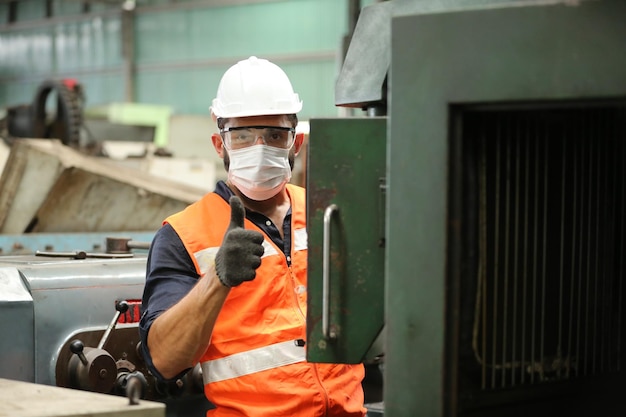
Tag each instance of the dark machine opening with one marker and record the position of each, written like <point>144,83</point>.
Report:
<point>537,263</point>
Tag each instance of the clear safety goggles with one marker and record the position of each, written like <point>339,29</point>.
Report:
<point>243,136</point>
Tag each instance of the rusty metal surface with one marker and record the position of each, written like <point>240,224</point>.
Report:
<point>346,167</point>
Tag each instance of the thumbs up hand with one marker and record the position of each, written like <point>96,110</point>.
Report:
<point>240,254</point>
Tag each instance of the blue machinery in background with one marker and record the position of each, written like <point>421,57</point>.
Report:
<point>72,317</point>
<point>30,243</point>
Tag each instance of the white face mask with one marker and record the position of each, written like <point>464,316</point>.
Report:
<point>259,171</point>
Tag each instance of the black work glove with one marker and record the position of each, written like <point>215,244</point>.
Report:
<point>239,256</point>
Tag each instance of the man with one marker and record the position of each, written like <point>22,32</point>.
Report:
<point>226,283</point>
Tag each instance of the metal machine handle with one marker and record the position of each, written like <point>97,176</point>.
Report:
<point>120,308</point>
<point>326,273</point>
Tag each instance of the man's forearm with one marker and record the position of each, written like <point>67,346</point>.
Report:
<point>178,337</point>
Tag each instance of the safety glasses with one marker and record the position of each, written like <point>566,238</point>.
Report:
<point>243,136</point>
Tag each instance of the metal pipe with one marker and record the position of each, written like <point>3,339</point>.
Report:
<point>127,41</point>
<point>562,253</point>
<point>505,272</point>
<point>326,332</point>
<point>120,308</point>
<point>483,273</point>
<point>496,262</point>
<point>533,332</point>
<point>573,198</point>
<point>587,224</point>
<point>515,256</point>
<point>544,248</point>
<point>526,138</point>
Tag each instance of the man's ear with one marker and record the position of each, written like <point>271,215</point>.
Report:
<point>298,141</point>
<point>216,138</point>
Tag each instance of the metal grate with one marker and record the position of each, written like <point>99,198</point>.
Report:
<point>549,190</point>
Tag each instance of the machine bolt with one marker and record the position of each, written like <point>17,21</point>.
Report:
<point>103,373</point>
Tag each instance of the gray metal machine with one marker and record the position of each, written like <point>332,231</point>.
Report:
<point>70,320</point>
<point>73,276</point>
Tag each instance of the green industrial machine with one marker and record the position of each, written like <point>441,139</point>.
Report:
<point>505,203</point>
<point>346,255</point>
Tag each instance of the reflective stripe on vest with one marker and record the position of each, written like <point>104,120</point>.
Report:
<point>206,257</point>
<point>252,361</point>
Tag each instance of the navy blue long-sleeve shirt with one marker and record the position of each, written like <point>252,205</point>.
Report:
<point>171,273</point>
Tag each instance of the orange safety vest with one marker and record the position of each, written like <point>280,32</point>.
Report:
<point>254,365</point>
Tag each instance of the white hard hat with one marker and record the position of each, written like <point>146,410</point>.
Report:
<point>255,87</point>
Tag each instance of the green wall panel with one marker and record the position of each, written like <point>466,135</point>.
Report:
<point>31,10</point>
<point>4,12</point>
<point>266,28</point>
<point>26,52</point>
<point>67,8</point>
<point>190,91</point>
<point>103,88</point>
<point>13,94</point>
<point>316,86</point>
<point>89,44</point>
<point>171,84</point>
<point>162,36</point>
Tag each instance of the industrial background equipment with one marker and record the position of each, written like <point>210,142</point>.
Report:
<point>58,111</point>
<point>32,120</point>
<point>75,229</point>
<point>73,320</point>
<point>504,240</point>
<point>466,241</point>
